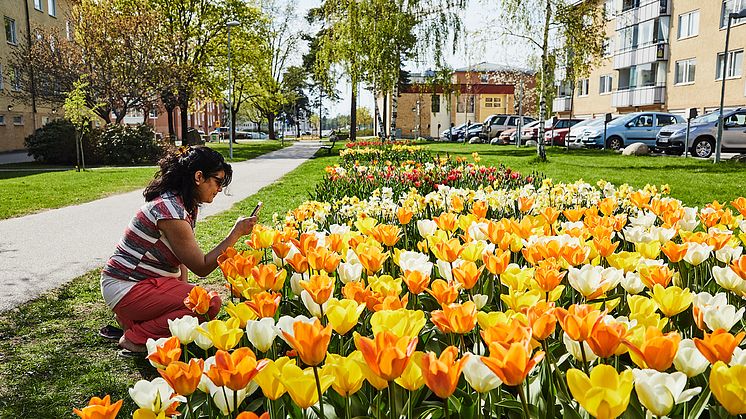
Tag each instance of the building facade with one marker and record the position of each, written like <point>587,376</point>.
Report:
<point>19,118</point>
<point>475,92</point>
<point>664,55</point>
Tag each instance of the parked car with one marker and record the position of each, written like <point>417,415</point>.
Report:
<point>578,131</point>
<point>510,136</point>
<point>555,135</point>
<point>472,136</point>
<point>452,134</point>
<point>224,132</point>
<point>496,124</point>
<point>531,131</point>
<point>637,127</point>
<point>703,132</point>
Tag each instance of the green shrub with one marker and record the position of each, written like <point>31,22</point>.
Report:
<point>121,144</point>
<point>54,143</point>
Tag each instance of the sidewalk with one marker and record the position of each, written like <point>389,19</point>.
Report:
<point>15,157</point>
<point>43,251</point>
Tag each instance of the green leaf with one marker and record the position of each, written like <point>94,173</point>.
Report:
<point>701,404</point>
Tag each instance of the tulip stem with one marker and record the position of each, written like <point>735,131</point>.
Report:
<point>392,404</point>
<point>523,400</point>
<point>189,406</point>
<point>409,405</point>
<point>347,408</point>
<point>318,389</point>
<point>446,414</point>
<point>582,354</point>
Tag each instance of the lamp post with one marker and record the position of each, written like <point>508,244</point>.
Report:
<point>230,25</point>
<point>721,121</point>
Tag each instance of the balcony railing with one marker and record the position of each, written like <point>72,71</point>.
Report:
<point>561,104</point>
<point>639,96</point>
<point>641,55</point>
<point>649,9</point>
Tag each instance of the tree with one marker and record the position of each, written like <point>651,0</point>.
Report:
<point>298,106</point>
<point>363,117</point>
<point>80,114</point>
<point>322,78</point>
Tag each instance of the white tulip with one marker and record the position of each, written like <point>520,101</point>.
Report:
<point>589,279</point>
<point>261,333</point>
<point>697,253</point>
<point>479,376</point>
<point>201,339</point>
<point>295,286</point>
<point>567,225</point>
<point>726,254</point>
<point>340,229</point>
<point>351,257</point>
<point>415,261</point>
<point>722,317</point>
<point>738,357</point>
<point>426,228</point>
<point>156,396</point>
<point>349,272</point>
<point>644,219</point>
<point>662,234</point>
<point>205,383</point>
<point>689,359</point>
<point>690,220</point>
<point>476,231</point>
<point>311,305</point>
<point>184,328</point>
<point>659,392</point>
<point>728,279</point>
<point>637,234</point>
<point>226,399</point>
<point>480,300</point>
<point>285,324</point>
<point>632,283</point>
<point>573,348</point>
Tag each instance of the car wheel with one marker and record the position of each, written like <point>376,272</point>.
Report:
<point>702,148</point>
<point>614,143</point>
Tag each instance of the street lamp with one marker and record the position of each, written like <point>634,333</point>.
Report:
<point>721,121</point>
<point>230,25</point>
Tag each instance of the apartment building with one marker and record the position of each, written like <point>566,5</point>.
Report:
<point>19,118</point>
<point>476,92</point>
<point>662,55</point>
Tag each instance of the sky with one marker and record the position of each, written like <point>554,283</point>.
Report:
<point>480,35</point>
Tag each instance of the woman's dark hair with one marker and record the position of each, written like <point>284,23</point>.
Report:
<point>177,174</point>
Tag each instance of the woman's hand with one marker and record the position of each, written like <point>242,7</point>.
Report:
<point>244,226</point>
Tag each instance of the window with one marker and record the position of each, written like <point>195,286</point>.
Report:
<point>609,9</point>
<point>689,24</point>
<point>627,37</point>
<point>493,102</point>
<point>685,71</point>
<point>735,65</point>
<point>435,103</point>
<point>153,114</point>
<point>52,7</point>
<point>731,6</point>
<point>488,102</point>
<point>608,47</point>
<point>644,121</point>
<point>470,104</point>
<point>10,31</point>
<point>15,82</point>
<point>605,84</point>
<point>629,4</point>
<point>583,87</point>
<point>38,5</point>
<point>68,31</point>
<point>663,120</point>
<point>18,120</point>
<point>2,119</point>
<point>2,77</point>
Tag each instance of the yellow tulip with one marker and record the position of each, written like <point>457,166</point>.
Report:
<point>348,376</point>
<point>643,311</point>
<point>343,314</point>
<point>472,251</point>
<point>301,384</point>
<point>488,320</point>
<point>649,250</point>
<point>385,284</point>
<point>626,261</point>
<point>370,376</point>
<point>729,387</point>
<point>464,221</point>
<point>517,278</point>
<point>364,225</point>
<point>223,334</point>
<point>672,300</point>
<point>240,311</point>
<point>400,322</point>
<point>412,378</point>
<point>605,394</point>
<point>268,379</point>
<point>518,300</point>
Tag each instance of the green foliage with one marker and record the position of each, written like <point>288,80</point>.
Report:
<point>54,143</point>
<point>123,145</point>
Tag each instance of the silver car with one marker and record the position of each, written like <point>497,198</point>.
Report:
<point>703,132</point>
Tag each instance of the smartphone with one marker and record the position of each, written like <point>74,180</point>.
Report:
<point>256,209</point>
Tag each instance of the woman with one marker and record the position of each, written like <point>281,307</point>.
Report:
<point>145,281</point>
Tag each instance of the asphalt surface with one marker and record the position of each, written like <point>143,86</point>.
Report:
<point>43,251</point>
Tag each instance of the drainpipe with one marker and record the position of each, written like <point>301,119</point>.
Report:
<point>31,68</point>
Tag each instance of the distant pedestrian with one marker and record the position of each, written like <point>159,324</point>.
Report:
<point>145,281</point>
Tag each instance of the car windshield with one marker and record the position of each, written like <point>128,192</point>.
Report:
<point>706,118</point>
<point>500,120</point>
<point>588,122</point>
<point>531,125</point>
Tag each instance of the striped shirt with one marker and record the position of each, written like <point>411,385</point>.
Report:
<point>144,252</point>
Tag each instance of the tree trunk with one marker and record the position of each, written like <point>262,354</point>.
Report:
<point>384,130</point>
<point>184,114</point>
<point>380,128</point>
<point>394,109</point>
<point>271,125</point>
<point>541,151</point>
<point>234,113</point>
<point>353,113</point>
<point>321,106</point>
<point>171,127</point>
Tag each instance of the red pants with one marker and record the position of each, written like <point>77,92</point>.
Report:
<point>146,308</point>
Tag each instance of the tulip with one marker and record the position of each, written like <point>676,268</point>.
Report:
<point>542,320</point>
<point>728,254</point>
<point>320,287</point>
<point>593,281</point>
<point>578,350</point>
<point>316,310</point>
<point>203,339</point>
<point>371,257</point>
<point>496,263</point>
<point>606,337</point>
<point>643,311</point>
<point>349,272</point>
<point>183,378</point>
<point>224,335</point>
<point>548,276</point>
<point>268,277</point>
<point>235,370</point>
<point>252,415</point>
<point>689,359</point>
<point>656,351</point>
<point>655,274</point>
<point>269,379</point>
<point>728,384</point>
<point>412,378</point>
<point>155,396</point>
<point>298,262</point>
<point>467,274</point>
<point>400,322</point>
<point>310,340</point>
<point>386,234</point>
<point>672,300</point>
<point>261,333</point>
<point>659,392</point>
<point>387,355</point>
<point>348,376</point>
<point>719,345</point>
<point>385,284</point>
<point>184,328</point>
<point>404,215</point>
<point>448,250</point>
<point>416,281</point>
<point>605,394</point>
<point>343,314</point>
<point>100,409</point>
<point>446,221</point>
<point>697,253</point>
<point>728,278</point>
<point>241,311</point>
<point>578,321</point>
<point>632,283</point>
<point>199,300</point>
<point>301,384</point>
<point>480,300</point>
<point>442,373</point>
<point>226,401</point>
<point>426,228</point>
<point>674,252</point>
<point>443,292</point>
<point>480,377</point>
<point>163,351</point>
<point>724,317</point>
<point>456,318</point>
<point>512,364</point>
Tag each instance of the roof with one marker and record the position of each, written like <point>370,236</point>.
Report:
<point>484,67</point>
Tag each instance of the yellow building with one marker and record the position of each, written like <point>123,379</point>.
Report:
<point>18,119</point>
<point>663,55</point>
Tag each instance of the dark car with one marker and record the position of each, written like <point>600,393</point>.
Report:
<point>474,130</point>
<point>452,134</point>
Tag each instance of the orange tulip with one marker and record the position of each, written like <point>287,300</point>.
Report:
<point>404,215</point>
<point>446,221</point>
<point>533,254</point>
<point>389,302</point>
<point>199,299</point>
<point>281,249</point>
<point>268,277</point>
<point>456,318</point>
<point>497,262</point>
<point>310,340</point>
<point>740,205</point>
<point>299,263</point>
<point>183,378</point>
<point>320,287</point>
<point>443,292</point>
<point>674,252</point>
<point>457,204</point>
<point>416,281</point>
<point>525,203</point>
<point>448,250</point>
<point>496,231</point>
<point>575,255</point>
<point>550,215</point>
<point>655,274</point>
<point>640,199</point>
<point>606,337</point>
<point>541,320</point>
<point>386,234</point>
<point>467,274</point>
<point>100,409</point>
<point>321,259</point>
<point>371,257</point>
<point>506,334</point>
<point>166,353</point>
<point>355,290</point>
<point>718,345</point>
<point>739,267</point>
<point>574,215</point>
<point>578,321</point>
<point>523,228</point>
<point>235,370</point>
<point>479,209</point>
<point>548,275</point>
<point>265,304</point>
<point>607,206</point>
<point>252,415</point>
<point>657,350</point>
<point>336,243</point>
<point>442,373</point>
<point>604,246</point>
<point>386,354</point>
<point>512,364</point>
<point>305,242</point>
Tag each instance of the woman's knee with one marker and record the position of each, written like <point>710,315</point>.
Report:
<point>215,304</point>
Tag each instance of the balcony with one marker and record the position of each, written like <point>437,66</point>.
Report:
<point>562,104</point>
<point>641,55</point>
<point>639,96</point>
<point>649,9</point>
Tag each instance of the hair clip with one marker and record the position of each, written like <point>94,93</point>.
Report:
<point>184,150</point>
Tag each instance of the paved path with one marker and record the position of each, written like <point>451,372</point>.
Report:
<point>43,251</point>
<point>15,157</point>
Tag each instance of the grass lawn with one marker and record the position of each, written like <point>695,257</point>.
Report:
<point>695,182</point>
<point>26,189</point>
<point>51,358</point>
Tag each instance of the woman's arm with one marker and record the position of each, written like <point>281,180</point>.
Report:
<point>184,245</point>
